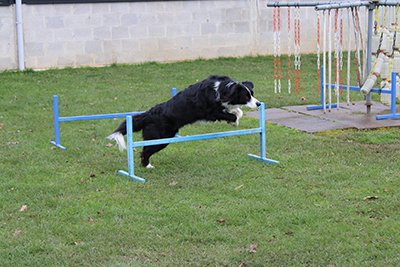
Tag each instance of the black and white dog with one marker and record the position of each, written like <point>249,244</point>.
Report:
<point>213,99</point>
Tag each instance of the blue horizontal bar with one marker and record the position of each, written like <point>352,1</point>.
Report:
<point>321,107</point>
<point>194,137</point>
<point>96,117</point>
<point>388,116</point>
<point>356,88</point>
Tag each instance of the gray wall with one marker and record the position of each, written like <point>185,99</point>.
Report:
<point>98,34</point>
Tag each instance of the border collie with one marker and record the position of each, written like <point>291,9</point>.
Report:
<point>213,99</point>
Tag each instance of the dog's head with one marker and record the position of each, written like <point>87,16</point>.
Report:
<point>240,94</point>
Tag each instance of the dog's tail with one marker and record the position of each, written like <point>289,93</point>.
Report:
<point>118,134</point>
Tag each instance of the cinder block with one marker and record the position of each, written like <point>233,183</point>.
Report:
<point>103,58</point>
<point>74,47</point>
<point>233,14</point>
<point>183,17</point>
<point>166,43</point>
<point>34,49</point>
<point>121,32</point>
<point>208,28</point>
<point>101,8</point>
<point>192,53</point>
<point>119,8</point>
<point>61,35</point>
<point>43,10</point>
<point>242,26</point>
<point>191,5</point>
<point>129,19</point>
<point>112,45</point>
<point>6,63</point>
<point>138,31</point>
<point>130,44</point>
<point>174,30</point>
<point>202,41</point>
<point>82,34</point>
<point>33,23</point>
<point>242,50</point>
<point>149,44</point>
<point>63,9</point>
<point>92,21</point>
<point>174,55</point>
<point>200,16</point>
<point>102,33</point>
<point>183,42</point>
<point>121,57</point>
<point>217,15</point>
<point>225,28</point>
<point>157,30</point>
<point>208,53</point>
<point>54,49</point>
<point>45,62</point>
<point>65,60</point>
<point>219,41</point>
<point>146,18</point>
<point>174,6</point>
<point>157,55</point>
<point>157,6</point>
<point>112,20</point>
<point>191,29</point>
<point>93,46</point>
<point>79,9</point>
<point>165,18</point>
<point>44,35</point>
<point>54,22</point>
<point>73,21</point>
<point>225,51</point>
<point>140,56</point>
<point>85,59</point>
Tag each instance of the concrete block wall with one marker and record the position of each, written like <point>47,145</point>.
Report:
<point>97,34</point>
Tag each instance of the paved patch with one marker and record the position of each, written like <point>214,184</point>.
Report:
<point>312,121</point>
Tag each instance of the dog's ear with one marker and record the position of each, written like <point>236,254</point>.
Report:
<point>248,84</point>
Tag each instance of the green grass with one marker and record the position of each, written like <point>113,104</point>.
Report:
<point>307,211</point>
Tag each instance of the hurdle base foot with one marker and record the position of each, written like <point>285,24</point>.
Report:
<point>133,177</point>
<point>57,145</point>
<point>263,159</point>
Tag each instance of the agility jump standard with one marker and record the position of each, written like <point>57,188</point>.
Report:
<point>131,144</point>
<point>58,119</point>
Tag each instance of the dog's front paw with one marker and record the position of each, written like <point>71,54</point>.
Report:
<point>238,113</point>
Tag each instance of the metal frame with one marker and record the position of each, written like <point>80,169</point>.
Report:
<point>131,144</point>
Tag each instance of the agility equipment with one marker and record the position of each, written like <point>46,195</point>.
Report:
<point>131,144</point>
<point>388,46</point>
<point>58,119</point>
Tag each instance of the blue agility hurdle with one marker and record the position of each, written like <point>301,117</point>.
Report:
<point>58,119</point>
<point>131,144</point>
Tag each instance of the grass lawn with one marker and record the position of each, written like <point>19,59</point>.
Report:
<point>206,203</point>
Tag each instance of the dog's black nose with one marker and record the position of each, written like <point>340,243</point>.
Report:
<point>258,104</point>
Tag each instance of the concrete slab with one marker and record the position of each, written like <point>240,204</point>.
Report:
<point>312,121</point>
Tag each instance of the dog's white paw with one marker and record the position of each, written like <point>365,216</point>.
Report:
<point>149,166</point>
<point>239,113</point>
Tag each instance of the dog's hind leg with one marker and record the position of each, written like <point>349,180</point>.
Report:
<point>147,152</point>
